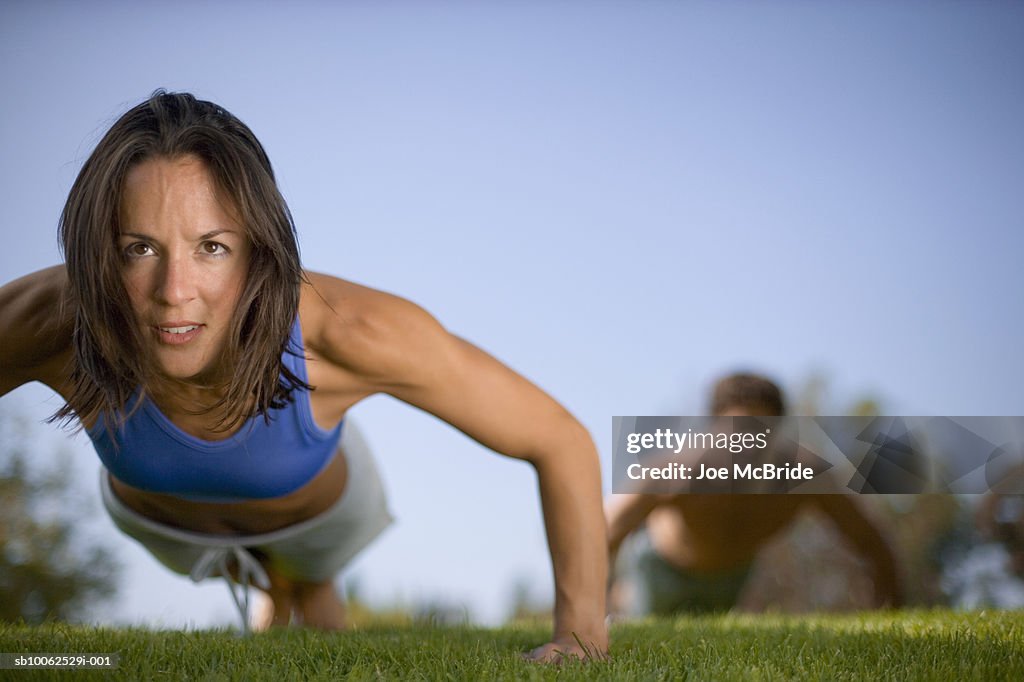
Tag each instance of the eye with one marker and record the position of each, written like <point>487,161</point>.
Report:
<point>213,249</point>
<point>138,249</point>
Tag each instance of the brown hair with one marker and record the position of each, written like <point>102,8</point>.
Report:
<point>747,390</point>
<point>110,362</point>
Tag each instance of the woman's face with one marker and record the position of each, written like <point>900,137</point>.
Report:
<point>185,260</point>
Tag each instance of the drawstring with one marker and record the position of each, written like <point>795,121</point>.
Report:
<point>215,559</point>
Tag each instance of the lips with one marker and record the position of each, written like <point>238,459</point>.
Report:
<point>176,333</point>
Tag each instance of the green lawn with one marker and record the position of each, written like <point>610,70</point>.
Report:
<point>879,646</point>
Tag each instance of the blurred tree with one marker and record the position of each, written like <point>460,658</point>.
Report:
<point>44,572</point>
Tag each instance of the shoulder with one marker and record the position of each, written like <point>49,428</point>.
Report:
<point>36,326</point>
<point>48,285</point>
<point>367,332</point>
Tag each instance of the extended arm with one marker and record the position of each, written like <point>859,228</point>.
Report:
<point>987,516</point>
<point>35,330</point>
<point>624,513</point>
<point>869,542</point>
<point>394,347</point>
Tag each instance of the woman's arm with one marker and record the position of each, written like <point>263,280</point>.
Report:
<point>392,346</point>
<point>35,330</point>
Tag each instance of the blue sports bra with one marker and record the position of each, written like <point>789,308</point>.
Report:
<point>259,461</point>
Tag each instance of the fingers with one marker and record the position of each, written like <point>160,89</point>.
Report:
<point>557,653</point>
<point>549,653</point>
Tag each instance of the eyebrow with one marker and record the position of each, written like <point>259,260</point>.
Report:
<point>203,237</point>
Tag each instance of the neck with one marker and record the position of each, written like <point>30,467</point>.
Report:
<point>190,396</point>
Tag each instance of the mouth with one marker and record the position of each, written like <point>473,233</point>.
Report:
<point>177,333</point>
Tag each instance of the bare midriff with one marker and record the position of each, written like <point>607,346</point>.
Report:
<point>245,517</point>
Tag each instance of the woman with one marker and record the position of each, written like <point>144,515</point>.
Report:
<point>213,375</point>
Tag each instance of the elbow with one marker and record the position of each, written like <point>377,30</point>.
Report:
<point>565,451</point>
<point>566,439</point>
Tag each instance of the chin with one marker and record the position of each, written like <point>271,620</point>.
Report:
<point>181,373</point>
<point>180,369</point>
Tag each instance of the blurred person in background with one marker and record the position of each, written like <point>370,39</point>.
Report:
<point>695,552</point>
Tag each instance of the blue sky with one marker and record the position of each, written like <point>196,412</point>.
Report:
<point>620,200</point>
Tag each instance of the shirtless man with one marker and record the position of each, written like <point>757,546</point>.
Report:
<point>696,551</point>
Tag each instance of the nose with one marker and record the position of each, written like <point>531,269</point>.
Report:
<point>176,282</point>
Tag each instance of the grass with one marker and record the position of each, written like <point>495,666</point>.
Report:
<point>938,645</point>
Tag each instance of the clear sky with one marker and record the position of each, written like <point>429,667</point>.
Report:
<point>620,200</point>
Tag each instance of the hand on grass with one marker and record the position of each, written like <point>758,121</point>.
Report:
<point>560,650</point>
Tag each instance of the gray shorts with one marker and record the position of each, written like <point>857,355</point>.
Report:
<point>314,550</point>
